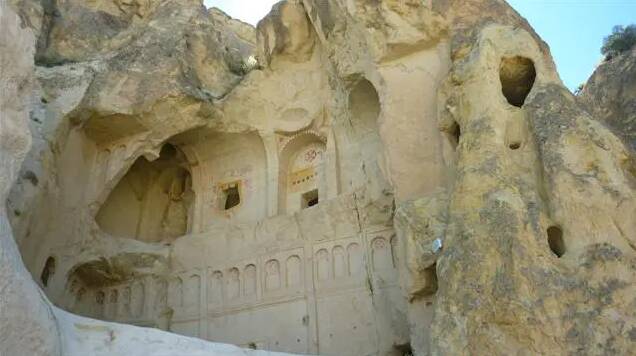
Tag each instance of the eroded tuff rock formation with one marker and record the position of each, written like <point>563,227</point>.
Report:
<point>610,94</point>
<point>350,178</point>
<point>30,324</point>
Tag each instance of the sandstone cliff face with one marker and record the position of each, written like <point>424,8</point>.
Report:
<point>30,324</point>
<point>389,177</point>
<point>521,273</point>
<point>112,89</point>
<point>610,95</point>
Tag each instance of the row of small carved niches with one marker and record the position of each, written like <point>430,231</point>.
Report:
<point>349,261</point>
<point>138,301</point>
<point>279,276</point>
<point>260,280</point>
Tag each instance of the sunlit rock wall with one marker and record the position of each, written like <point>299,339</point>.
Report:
<point>349,178</point>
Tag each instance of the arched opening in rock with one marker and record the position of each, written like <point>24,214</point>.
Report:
<point>47,271</point>
<point>100,298</point>
<point>364,104</point>
<point>517,76</point>
<point>301,178</point>
<point>152,202</point>
<point>114,288</point>
<point>555,241</point>
<point>361,161</point>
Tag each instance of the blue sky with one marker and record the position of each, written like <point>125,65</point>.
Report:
<point>250,11</point>
<point>574,29</point>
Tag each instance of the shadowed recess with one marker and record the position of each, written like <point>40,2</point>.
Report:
<point>517,75</point>
<point>152,201</point>
<point>47,271</point>
<point>555,240</point>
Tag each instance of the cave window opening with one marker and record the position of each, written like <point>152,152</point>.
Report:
<point>168,151</point>
<point>232,196</point>
<point>403,349</point>
<point>309,199</point>
<point>47,271</point>
<point>454,134</point>
<point>517,76</point>
<point>555,241</point>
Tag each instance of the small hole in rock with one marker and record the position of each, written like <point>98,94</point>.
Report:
<point>429,286</point>
<point>454,134</point>
<point>168,151</point>
<point>309,199</point>
<point>514,146</point>
<point>517,76</point>
<point>48,270</point>
<point>431,279</point>
<point>403,349</point>
<point>31,177</point>
<point>232,197</point>
<point>555,240</point>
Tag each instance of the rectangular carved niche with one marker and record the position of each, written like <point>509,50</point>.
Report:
<point>309,199</point>
<point>230,195</point>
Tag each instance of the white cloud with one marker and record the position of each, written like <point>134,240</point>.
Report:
<point>250,11</point>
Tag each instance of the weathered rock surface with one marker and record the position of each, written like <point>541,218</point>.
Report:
<point>27,322</point>
<point>351,177</point>
<point>541,205</point>
<point>136,60</point>
<point>610,95</point>
<point>30,324</point>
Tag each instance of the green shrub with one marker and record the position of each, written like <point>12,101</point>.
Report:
<point>621,40</point>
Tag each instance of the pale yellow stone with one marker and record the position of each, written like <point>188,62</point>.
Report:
<point>349,178</point>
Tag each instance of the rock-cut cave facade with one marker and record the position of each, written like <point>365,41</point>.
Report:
<point>348,178</point>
